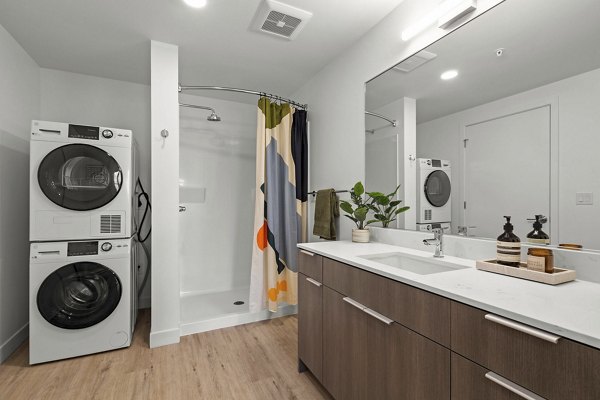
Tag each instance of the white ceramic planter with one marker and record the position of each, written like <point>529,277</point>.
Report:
<point>360,235</point>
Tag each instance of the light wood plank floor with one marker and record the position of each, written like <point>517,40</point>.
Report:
<point>254,361</point>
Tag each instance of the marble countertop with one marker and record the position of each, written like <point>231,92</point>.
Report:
<point>570,310</point>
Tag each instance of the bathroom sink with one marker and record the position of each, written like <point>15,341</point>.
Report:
<point>414,264</point>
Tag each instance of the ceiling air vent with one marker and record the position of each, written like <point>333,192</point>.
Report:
<point>280,19</point>
<point>415,61</point>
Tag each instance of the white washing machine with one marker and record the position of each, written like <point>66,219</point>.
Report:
<point>434,202</point>
<point>81,182</point>
<point>82,298</point>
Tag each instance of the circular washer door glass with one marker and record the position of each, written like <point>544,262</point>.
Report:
<point>79,295</point>
<point>80,177</point>
<point>437,188</point>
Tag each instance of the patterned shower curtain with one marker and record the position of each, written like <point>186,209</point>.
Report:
<point>281,204</point>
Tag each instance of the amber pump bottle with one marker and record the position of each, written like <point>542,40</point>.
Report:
<point>508,246</point>
<point>537,235</point>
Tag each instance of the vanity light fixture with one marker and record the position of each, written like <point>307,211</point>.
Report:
<point>450,74</point>
<point>444,15</point>
<point>195,3</point>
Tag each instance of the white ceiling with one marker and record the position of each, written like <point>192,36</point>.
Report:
<point>544,41</point>
<point>110,38</point>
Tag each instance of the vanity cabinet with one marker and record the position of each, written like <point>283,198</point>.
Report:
<point>367,354</point>
<point>469,382</point>
<point>423,312</point>
<point>365,336</point>
<point>310,313</point>
<point>549,365</point>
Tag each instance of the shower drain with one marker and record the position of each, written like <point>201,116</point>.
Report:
<point>238,303</point>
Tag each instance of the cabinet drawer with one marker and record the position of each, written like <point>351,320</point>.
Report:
<point>310,324</point>
<point>421,311</point>
<point>469,382</point>
<point>310,264</point>
<point>561,370</point>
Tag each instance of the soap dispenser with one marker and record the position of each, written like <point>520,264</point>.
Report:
<point>508,246</point>
<point>537,235</point>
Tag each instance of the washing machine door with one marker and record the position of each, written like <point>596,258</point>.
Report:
<point>79,295</point>
<point>80,177</point>
<point>437,188</point>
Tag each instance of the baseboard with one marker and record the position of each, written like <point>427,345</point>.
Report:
<point>13,343</point>
<point>164,338</point>
<point>227,321</point>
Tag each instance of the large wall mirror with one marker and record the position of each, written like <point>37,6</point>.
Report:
<point>505,112</point>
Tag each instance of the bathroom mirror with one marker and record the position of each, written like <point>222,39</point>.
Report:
<point>505,112</point>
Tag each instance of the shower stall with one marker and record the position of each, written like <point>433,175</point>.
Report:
<point>217,194</point>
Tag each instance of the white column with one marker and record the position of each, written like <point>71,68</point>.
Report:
<point>165,194</point>
<point>405,161</point>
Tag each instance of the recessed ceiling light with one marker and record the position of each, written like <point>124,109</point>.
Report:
<point>449,74</point>
<point>195,3</point>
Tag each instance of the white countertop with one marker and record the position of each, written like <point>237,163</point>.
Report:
<point>571,310</point>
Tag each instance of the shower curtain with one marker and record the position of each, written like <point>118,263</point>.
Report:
<point>281,204</point>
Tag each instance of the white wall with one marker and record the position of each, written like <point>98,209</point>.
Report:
<point>217,180</point>
<point>19,104</point>
<point>578,98</point>
<point>165,284</point>
<point>336,96</point>
<point>89,100</point>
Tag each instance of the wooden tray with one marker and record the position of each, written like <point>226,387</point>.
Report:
<point>559,276</point>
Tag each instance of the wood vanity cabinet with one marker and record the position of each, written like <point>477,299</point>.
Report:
<point>555,371</point>
<point>365,354</point>
<point>469,382</point>
<point>368,337</point>
<point>310,313</point>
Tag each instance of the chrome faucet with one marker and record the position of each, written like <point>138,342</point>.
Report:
<point>438,241</point>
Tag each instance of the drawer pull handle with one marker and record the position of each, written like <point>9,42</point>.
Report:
<point>380,317</point>
<point>513,387</point>
<point>364,309</point>
<point>317,284</point>
<point>523,328</point>
<point>354,303</point>
<point>308,253</point>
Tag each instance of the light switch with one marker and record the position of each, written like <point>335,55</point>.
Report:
<point>584,199</point>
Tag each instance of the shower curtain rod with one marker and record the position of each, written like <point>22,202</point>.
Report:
<point>391,121</point>
<point>237,90</point>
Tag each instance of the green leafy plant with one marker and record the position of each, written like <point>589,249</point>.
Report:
<point>384,207</point>
<point>358,212</point>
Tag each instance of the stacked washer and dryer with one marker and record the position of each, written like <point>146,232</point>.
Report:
<point>83,255</point>
<point>434,203</point>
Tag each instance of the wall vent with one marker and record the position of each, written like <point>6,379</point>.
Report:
<point>280,19</point>
<point>415,61</point>
<point>110,223</point>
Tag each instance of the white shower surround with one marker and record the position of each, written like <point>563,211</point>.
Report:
<point>216,169</point>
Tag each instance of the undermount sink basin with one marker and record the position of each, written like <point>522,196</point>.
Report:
<point>415,264</point>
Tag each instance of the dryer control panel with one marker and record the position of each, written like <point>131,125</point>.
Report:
<point>73,133</point>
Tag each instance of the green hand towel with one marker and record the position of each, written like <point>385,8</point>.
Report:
<point>326,210</point>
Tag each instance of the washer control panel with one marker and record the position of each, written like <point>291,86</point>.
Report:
<point>106,246</point>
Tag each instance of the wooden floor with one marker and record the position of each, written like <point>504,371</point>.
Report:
<point>254,361</point>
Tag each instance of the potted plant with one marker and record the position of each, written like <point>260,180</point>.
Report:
<point>357,213</point>
<point>385,209</point>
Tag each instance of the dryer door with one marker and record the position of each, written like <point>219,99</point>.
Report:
<point>79,295</point>
<point>80,177</point>
<point>437,188</point>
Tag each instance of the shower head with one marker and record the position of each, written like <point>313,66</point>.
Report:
<point>213,117</point>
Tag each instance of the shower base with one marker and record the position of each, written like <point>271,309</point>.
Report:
<point>216,310</point>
